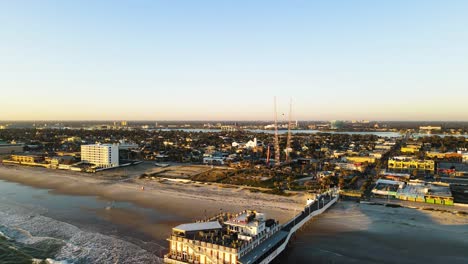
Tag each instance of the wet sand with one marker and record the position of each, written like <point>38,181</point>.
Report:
<point>190,201</point>
<point>361,233</point>
<point>143,218</point>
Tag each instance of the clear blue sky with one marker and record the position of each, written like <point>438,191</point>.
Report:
<point>224,60</point>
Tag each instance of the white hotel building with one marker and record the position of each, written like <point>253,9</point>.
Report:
<point>101,155</point>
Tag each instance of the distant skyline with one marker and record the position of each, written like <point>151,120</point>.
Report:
<point>225,60</point>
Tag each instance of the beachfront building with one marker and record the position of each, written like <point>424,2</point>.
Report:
<point>408,164</point>
<point>387,188</point>
<point>419,191</point>
<point>29,160</point>
<point>223,239</point>
<point>101,155</point>
<point>26,159</point>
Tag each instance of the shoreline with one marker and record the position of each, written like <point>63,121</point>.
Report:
<point>33,238</point>
<point>191,201</point>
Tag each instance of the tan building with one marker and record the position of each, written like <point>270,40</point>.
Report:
<point>26,158</point>
<point>409,164</point>
<point>447,155</point>
<point>359,159</point>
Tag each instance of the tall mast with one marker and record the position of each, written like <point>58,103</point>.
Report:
<point>277,148</point>
<point>268,155</point>
<point>288,144</point>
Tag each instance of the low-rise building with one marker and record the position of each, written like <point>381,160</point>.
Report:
<point>26,158</point>
<point>214,160</point>
<point>361,159</point>
<point>65,161</point>
<point>443,155</point>
<point>418,191</point>
<point>401,177</point>
<point>411,164</point>
<point>410,149</point>
<point>228,128</point>
<point>452,169</point>
<point>349,166</point>
<point>126,145</point>
<point>385,187</point>
<point>11,148</point>
<point>430,128</point>
<point>384,146</point>
<point>464,153</point>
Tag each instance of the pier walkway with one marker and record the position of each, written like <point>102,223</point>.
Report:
<point>273,246</point>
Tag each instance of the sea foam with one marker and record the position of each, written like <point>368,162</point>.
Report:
<point>26,226</point>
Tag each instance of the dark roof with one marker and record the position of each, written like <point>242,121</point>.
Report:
<point>457,166</point>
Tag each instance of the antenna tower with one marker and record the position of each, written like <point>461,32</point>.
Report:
<point>277,149</point>
<point>288,144</point>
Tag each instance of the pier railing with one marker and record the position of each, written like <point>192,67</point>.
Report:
<point>318,203</point>
<point>317,206</point>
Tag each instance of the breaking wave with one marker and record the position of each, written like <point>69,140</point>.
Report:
<point>28,233</point>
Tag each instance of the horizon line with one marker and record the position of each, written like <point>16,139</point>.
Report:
<point>216,120</point>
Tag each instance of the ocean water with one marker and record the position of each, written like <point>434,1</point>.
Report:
<point>356,233</point>
<point>40,224</point>
<point>37,223</point>
<point>14,252</point>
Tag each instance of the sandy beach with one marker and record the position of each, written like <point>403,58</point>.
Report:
<point>348,232</point>
<point>192,201</point>
<point>139,222</point>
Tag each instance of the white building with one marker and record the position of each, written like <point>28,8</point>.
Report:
<point>101,155</point>
<point>465,157</point>
<point>428,128</point>
<point>248,224</point>
<point>251,144</point>
<point>464,153</point>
